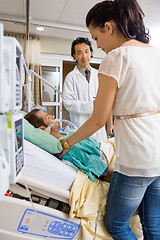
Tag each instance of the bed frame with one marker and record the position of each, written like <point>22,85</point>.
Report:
<point>21,220</point>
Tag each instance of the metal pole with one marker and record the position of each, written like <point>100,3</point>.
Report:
<point>44,80</point>
<point>27,19</point>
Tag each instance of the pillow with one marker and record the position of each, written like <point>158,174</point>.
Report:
<point>41,139</point>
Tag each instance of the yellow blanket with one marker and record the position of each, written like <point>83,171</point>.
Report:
<point>85,200</point>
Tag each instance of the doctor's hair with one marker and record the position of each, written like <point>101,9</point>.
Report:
<point>34,120</point>
<point>127,15</point>
<point>80,40</point>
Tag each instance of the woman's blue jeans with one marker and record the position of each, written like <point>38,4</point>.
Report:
<point>126,195</point>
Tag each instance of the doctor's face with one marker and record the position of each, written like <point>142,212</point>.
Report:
<point>82,54</point>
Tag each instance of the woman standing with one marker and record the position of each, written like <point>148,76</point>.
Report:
<point>129,83</point>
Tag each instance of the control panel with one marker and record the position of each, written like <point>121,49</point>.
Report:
<point>48,225</point>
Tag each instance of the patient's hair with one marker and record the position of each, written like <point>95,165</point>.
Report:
<point>33,119</point>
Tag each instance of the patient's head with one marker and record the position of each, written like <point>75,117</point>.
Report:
<point>40,119</point>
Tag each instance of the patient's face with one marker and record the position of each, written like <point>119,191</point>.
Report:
<point>47,119</point>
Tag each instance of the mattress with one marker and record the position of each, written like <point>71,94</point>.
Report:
<point>45,167</point>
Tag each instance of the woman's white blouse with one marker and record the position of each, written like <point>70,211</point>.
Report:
<point>137,71</point>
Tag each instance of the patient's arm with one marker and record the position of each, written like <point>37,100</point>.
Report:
<point>56,135</point>
<point>55,131</point>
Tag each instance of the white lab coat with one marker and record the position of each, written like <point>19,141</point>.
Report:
<point>78,96</point>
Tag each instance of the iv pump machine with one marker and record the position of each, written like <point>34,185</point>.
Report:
<point>11,120</point>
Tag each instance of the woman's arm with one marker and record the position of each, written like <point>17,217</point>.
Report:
<point>102,109</point>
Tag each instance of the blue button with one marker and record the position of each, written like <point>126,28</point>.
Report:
<point>23,227</point>
<point>64,226</point>
<point>60,232</point>
<point>55,231</point>
<point>26,228</point>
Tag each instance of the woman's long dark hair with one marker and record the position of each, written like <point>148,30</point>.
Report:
<point>126,13</point>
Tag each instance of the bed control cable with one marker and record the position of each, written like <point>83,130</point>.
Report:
<point>106,161</point>
<point>99,211</point>
<point>38,216</point>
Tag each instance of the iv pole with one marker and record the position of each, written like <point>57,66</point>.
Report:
<point>29,80</point>
<point>41,78</point>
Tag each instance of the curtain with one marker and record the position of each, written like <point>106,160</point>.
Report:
<point>31,53</point>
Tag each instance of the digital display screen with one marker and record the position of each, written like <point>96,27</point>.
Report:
<point>19,156</point>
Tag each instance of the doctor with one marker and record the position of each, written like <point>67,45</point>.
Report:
<point>80,87</point>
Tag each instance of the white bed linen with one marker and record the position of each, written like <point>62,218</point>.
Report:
<point>45,167</point>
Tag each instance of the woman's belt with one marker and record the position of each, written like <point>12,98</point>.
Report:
<point>136,115</point>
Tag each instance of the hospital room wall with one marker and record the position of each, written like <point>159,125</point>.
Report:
<point>63,47</point>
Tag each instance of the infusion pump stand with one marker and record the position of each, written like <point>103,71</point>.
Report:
<point>11,122</point>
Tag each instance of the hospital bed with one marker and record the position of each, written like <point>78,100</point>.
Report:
<point>51,185</point>
<point>47,178</point>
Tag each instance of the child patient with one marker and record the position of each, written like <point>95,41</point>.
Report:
<point>86,150</point>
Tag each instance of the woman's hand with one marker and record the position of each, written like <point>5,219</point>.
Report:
<point>64,151</point>
<point>110,129</point>
<point>110,126</point>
